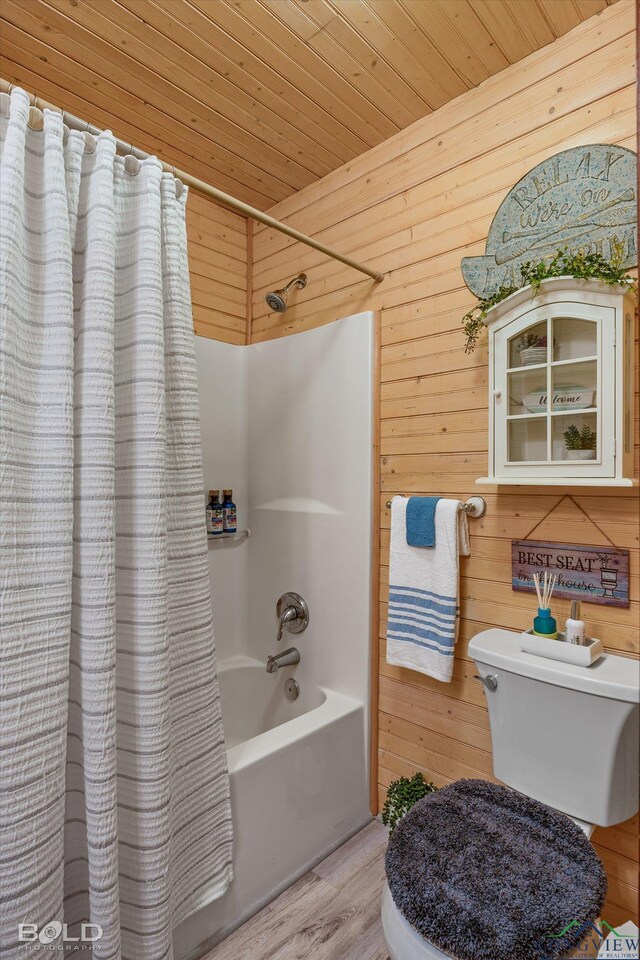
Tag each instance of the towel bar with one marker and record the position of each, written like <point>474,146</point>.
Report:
<point>474,507</point>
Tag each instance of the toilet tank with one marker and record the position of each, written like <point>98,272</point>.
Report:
<point>563,734</point>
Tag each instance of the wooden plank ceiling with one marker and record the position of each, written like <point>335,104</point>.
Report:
<point>262,97</point>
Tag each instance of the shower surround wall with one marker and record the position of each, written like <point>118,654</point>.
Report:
<point>310,467</point>
<point>289,426</point>
<point>224,413</point>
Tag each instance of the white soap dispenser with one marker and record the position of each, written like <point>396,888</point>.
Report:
<point>575,626</point>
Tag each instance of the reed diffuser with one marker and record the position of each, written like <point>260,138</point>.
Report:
<point>544,624</point>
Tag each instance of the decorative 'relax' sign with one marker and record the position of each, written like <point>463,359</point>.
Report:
<point>593,574</point>
<point>582,200</point>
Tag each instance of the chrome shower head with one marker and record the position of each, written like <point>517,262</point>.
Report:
<point>277,299</point>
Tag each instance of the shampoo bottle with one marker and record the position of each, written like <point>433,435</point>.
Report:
<point>209,512</point>
<point>214,514</point>
<point>229,510</point>
<point>575,626</point>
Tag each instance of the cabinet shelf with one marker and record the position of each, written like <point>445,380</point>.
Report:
<point>572,361</point>
<point>577,412</point>
<point>527,416</point>
<point>552,363</point>
<point>526,367</point>
<point>556,481</point>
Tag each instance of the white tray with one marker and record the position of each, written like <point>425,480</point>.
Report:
<point>559,649</point>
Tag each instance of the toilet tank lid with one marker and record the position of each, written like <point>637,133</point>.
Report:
<point>615,677</point>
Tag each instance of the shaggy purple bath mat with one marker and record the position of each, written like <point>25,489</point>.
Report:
<point>485,873</point>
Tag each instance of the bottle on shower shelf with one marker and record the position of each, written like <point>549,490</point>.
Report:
<point>215,519</point>
<point>209,512</point>
<point>230,521</point>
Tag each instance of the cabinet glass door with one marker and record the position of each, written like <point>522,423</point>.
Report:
<point>527,395</point>
<point>574,391</point>
<point>551,405</point>
<point>574,409</point>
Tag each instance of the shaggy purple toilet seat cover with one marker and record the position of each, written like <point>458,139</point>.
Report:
<point>485,873</point>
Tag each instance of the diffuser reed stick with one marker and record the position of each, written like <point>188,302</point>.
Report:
<point>549,587</point>
<point>545,588</point>
<point>536,580</point>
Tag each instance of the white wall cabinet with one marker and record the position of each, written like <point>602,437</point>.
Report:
<point>561,386</point>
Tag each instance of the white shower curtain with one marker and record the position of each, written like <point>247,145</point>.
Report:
<point>114,797</point>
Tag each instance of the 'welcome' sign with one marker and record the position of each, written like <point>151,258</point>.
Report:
<point>593,574</point>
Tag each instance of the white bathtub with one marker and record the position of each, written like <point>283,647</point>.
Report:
<point>253,704</point>
<point>297,771</point>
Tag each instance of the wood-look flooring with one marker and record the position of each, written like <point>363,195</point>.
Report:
<point>331,913</point>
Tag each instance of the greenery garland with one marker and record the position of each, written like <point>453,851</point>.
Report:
<point>582,266</point>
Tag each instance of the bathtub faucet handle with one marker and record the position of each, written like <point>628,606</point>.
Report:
<point>293,613</point>
<point>287,615</point>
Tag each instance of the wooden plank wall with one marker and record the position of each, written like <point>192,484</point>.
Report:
<point>218,265</point>
<point>413,207</point>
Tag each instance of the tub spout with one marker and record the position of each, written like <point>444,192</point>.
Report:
<point>287,658</point>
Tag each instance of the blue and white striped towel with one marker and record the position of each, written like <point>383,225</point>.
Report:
<point>424,592</point>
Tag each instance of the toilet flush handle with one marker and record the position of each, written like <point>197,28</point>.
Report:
<point>490,682</point>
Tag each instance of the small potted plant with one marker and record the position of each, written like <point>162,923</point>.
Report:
<point>533,349</point>
<point>580,444</point>
<point>401,796</point>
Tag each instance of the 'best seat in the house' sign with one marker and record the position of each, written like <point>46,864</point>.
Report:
<point>592,574</point>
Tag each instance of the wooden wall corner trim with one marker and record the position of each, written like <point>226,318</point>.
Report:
<point>375,570</point>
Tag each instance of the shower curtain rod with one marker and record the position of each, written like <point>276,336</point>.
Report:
<point>205,188</point>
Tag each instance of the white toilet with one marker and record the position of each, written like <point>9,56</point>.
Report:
<point>564,735</point>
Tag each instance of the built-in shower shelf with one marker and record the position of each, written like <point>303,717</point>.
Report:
<point>238,536</point>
